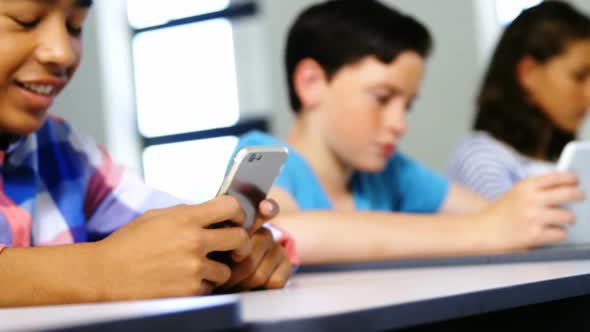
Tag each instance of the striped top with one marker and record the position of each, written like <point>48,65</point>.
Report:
<point>491,167</point>
<point>59,187</point>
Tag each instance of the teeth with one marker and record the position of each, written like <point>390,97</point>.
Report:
<point>42,89</point>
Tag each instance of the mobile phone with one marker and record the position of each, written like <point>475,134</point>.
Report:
<point>575,157</point>
<point>253,171</point>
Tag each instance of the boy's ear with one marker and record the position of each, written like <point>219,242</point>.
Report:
<point>526,72</point>
<point>309,81</point>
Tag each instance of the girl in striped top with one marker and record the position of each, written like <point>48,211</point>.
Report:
<point>533,100</point>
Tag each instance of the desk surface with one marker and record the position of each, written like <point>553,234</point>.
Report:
<point>345,301</point>
<point>197,314</point>
<point>397,298</point>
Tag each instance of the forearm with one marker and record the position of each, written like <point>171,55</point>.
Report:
<point>50,275</point>
<point>462,200</point>
<point>325,237</point>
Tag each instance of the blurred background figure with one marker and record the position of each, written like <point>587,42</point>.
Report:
<point>533,100</point>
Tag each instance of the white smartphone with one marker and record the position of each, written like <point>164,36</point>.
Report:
<point>575,157</point>
<point>253,171</point>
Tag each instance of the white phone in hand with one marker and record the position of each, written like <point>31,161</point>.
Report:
<point>253,171</point>
<point>575,157</point>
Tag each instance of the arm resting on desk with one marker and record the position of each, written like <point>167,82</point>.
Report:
<point>334,237</point>
<point>49,275</point>
<point>524,218</point>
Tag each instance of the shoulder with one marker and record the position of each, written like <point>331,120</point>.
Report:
<point>259,138</point>
<point>256,137</point>
<point>486,165</point>
<point>481,148</point>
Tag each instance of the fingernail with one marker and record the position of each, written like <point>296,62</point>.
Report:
<point>269,206</point>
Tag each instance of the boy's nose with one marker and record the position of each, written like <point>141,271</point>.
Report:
<point>395,120</point>
<point>57,48</point>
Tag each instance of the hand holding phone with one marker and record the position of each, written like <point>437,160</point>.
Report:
<point>253,171</point>
<point>575,158</point>
<point>251,175</point>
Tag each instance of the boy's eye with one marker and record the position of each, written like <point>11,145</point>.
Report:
<point>27,24</point>
<point>581,77</point>
<point>382,98</point>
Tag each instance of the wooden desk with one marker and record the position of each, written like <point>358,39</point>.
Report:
<point>191,314</point>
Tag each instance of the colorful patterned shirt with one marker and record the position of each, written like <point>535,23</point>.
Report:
<point>59,187</point>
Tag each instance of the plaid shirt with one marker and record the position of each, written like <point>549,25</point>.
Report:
<point>58,187</point>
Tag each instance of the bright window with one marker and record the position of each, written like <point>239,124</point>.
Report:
<point>146,13</point>
<point>508,10</point>
<point>186,89</point>
<point>192,170</point>
<point>185,78</point>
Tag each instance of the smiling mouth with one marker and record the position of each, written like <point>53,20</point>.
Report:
<point>40,89</point>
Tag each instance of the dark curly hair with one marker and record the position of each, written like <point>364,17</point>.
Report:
<point>337,33</point>
<point>504,109</point>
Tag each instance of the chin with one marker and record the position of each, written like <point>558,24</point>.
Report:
<point>372,167</point>
<point>22,124</point>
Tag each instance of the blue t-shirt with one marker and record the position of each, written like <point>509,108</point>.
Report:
<point>403,186</point>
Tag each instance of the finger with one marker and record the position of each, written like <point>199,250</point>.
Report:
<point>205,288</point>
<point>261,276</point>
<point>261,243</point>
<point>555,179</point>
<point>563,195</point>
<point>234,239</point>
<point>553,235</point>
<point>559,217</point>
<point>280,276</point>
<point>217,210</point>
<point>216,273</point>
<point>267,209</point>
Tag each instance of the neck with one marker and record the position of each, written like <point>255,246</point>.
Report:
<point>332,172</point>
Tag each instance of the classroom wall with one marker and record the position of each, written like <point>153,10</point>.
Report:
<point>81,101</point>
<point>277,17</point>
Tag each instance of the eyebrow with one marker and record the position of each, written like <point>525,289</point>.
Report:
<point>389,88</point>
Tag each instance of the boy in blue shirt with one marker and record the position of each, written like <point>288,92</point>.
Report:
<point>76,227</point>
<point>347,194</point>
